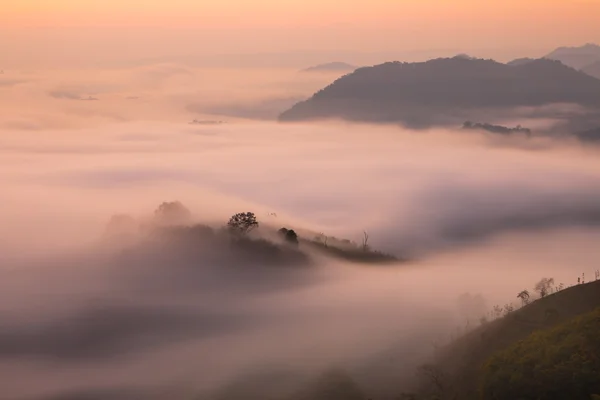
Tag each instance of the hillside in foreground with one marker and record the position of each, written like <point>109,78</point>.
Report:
<point>445,91</point>
<point>545,350</point>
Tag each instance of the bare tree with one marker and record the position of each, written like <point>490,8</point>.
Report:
<point>497,311</point>
<point>434,375</point>
<point>508,308</point>
<point>544,286</point>
<point>524,296</point>
<point>322,238</point>
<point>365,241</point>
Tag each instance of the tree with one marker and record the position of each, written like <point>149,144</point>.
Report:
<point>242,223</point>
<point>544,286</point>
<point>322,238</point>
<point>365,241</point>
<point>497,311</point>
<point>434,376</point>
<point>524,296</point>
<point>172,212</point>
<point>289,235</point>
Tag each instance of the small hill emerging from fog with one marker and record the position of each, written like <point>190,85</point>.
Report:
<point>242,238</point>
<point>335,66</point>
<point>445,91</point>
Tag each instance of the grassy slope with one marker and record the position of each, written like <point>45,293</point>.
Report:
<point>462,361</point>
<point>558,363</point>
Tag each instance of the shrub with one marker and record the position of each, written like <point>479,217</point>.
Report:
<point>242,223</point>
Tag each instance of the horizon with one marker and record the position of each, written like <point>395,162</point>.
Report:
<point>61,33</point>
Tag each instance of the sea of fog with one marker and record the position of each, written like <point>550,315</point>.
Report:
<point>473,213</point>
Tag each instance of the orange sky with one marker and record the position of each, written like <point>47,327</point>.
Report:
<point>171,26</point>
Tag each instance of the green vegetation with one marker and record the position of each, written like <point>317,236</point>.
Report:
<point>558,363</point>
<point>512,356</point>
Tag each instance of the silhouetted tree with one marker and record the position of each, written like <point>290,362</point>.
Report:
<point>497,311</point>
<point>365,241</point>
<point>434,376</point>
<point>242,223</point>
<point>322,238</point>
<point>524,296</point>
<point>291,237</point>
<point>508,308</point>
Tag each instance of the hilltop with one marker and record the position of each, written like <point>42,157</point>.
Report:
<point>243,237</point>
<point>520,61</point>
<point>445,91</point>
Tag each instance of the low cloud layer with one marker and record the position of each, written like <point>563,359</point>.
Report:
<point>82,320</point>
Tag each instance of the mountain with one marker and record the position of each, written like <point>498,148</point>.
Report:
<point>520,61</point>
<point>465,56</point>
<point>445,91</point>
<point>593,69</point>
<point>331,67</point>
<point>576,57</point>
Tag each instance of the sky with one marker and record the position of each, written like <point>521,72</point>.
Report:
<point>57,32</point>
<point>96,100</point>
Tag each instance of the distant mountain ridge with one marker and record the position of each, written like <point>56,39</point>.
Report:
<point>576,57</point>
<point>335,66</point>
<point>593,69</point>
<point>520,61</point>
<point>445,91</point>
